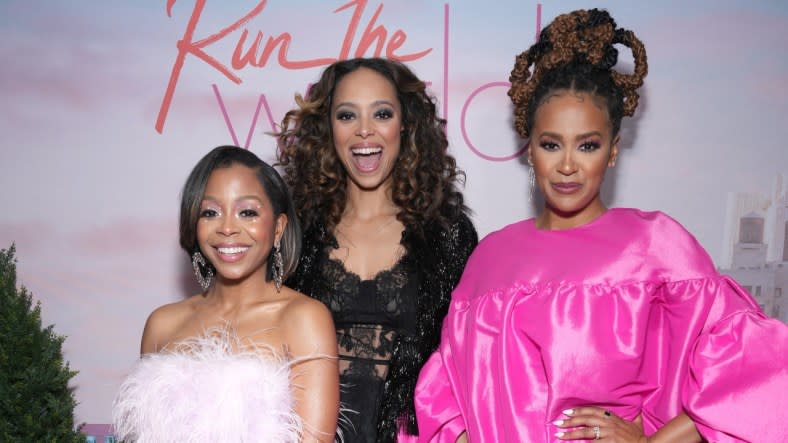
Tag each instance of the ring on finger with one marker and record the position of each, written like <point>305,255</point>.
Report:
<point>597,433</point>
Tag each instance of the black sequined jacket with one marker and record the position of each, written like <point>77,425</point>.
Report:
<point>439,253</point>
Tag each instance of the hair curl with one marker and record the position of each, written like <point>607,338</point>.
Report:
<point>275,189</point>
<point>425,177</point>
<point>576,52</point>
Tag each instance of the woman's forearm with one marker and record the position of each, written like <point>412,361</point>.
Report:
<point>679,429</point>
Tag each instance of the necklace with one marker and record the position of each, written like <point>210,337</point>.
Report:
<point>374,254</point>
<point>343,228</point>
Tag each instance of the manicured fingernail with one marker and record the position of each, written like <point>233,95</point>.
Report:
<point>559,422</point>
<point>560,434</point>
<point>568,411</point>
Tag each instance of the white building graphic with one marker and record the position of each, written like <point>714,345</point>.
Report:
<point>755,248</point>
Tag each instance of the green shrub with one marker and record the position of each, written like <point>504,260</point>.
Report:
<point>36,404</point>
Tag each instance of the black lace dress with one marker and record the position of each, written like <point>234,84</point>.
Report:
<point>369,315</point>
<point>387,326</point>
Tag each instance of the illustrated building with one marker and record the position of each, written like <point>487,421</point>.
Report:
<point>755,248</point>
<point>98,433</point>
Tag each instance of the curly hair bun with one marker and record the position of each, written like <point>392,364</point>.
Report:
<point>578,40</point>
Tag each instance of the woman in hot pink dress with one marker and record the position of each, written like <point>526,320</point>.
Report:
<point>592,323</point>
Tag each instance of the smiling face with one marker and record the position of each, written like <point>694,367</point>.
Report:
<point>237,228</point>
<point>571,147</point>
<point>366,122</point>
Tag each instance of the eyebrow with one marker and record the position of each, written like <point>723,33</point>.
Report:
<point>581,136</point>
<point>375,103</point>
<point>243,197</point>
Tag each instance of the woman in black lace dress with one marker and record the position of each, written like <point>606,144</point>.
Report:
<point>386,231</point>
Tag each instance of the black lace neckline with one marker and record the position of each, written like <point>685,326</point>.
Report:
<point>339,265</point>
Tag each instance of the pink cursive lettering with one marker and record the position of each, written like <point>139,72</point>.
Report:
<point>258,54</point>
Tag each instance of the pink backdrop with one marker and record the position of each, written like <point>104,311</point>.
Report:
<point>104,116</point>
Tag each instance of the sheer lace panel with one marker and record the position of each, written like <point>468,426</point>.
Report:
<point>369,315</point>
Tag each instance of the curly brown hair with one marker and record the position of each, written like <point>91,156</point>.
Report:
<point>576,52</point>
<point>425,177</point>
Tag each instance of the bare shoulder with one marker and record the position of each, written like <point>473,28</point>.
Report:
<point>308,326</point>
<point>303,311</point>
<point>162,322</point>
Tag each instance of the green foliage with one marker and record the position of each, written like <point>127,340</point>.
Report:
<point>36,404</point>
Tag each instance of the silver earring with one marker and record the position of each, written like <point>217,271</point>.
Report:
<point>531,181</point>
<point>197,261</point>
<point>278,267</point>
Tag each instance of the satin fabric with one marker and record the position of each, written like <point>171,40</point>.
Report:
<point>626,313</point>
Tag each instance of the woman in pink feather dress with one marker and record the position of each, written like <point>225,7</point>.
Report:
<point>247,359</point>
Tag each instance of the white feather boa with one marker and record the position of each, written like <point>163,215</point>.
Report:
<point>208,389</point>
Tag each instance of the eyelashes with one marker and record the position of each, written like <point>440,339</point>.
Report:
<point>243,213</point>
<point>548,146</point>
<point>381,114</point>
<point>589,146</point>
<point>384,114</point>
<point>345,115</point>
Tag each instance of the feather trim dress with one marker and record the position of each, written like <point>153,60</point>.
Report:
<point>208,389</point>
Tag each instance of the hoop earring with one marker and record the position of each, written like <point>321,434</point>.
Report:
<point>199,261</point>
<point>278,267</point>
<point>531,181</point>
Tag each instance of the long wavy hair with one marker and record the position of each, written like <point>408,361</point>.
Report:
<point>576,52</point>
<point>425,177</point>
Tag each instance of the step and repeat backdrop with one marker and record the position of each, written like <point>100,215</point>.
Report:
<point>107,106</point>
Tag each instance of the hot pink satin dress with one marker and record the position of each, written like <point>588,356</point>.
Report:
<point>626,313</point>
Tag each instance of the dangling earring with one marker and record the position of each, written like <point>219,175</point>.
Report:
<point>278,267</point>
<point>531,181</point>
<point>197,261</point>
